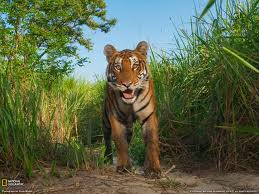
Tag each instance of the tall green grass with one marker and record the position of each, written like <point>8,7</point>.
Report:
<point>19,132</point>
<point>208,88</point>
<point>45,124</point>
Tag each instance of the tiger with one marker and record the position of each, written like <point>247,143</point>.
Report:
<point>129,97</point>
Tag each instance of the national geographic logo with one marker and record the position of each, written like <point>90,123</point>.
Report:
<point>12,186</point>
<point>11,182</point>
<point>4,183</point>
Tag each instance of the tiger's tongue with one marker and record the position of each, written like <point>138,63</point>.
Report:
<point>128,94</point>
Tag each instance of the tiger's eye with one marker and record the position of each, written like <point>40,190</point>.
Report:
<point>117,67</point>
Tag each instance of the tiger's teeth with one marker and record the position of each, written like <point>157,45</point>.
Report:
<point>128,94</point>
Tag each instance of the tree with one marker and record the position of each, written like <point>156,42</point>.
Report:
<point>44,35</point>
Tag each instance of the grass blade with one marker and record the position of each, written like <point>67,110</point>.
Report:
<point>207,8</point>
<point>247,64</point>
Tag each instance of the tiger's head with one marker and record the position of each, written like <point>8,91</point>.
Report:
<point>127,71</point>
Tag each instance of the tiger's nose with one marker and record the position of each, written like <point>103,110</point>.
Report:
<point>127,83</point>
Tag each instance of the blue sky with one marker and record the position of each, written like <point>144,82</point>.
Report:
<point>150,20</point>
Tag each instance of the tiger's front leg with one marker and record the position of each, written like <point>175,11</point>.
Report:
<point>120,139</point>
<point>151,140</point>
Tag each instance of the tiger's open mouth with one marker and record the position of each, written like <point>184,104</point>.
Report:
<point>128,96</point>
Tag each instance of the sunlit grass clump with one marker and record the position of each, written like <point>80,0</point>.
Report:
<point>208,89</point>
<point>45,124</point>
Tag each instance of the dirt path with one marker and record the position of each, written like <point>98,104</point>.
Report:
<point>106,181</point>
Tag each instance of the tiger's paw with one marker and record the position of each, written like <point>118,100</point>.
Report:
<point>152,173</point>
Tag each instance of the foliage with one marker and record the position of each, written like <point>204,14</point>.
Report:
<point>42,112</point>
<point>207,90</point>
<point>19,131</point>
<point>90,125</point>
<point>137,147</point>
<point>207,8</point>
<point>37,123</point>
<point>44,36</point>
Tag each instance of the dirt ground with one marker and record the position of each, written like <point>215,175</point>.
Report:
<point>107,181</point>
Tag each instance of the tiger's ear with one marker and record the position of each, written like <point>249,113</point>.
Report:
<point>108,51</point>
<point>142,47</point>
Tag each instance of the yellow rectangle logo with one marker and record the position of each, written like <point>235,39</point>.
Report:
<point>4,183</point>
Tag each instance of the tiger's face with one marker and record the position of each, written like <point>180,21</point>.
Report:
<point>127,71</point>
